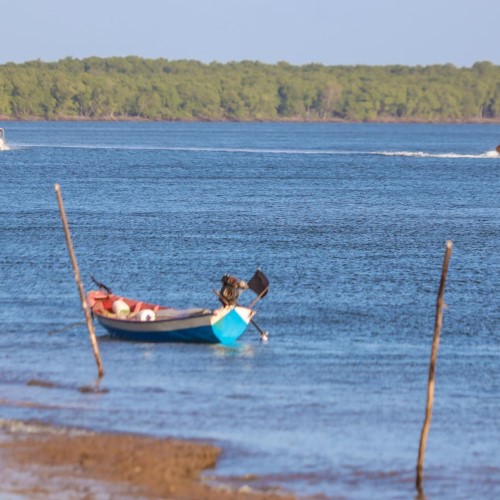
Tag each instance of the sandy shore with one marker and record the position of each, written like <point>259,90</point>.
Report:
<point>42,462</point>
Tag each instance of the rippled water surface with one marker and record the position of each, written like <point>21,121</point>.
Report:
<point>349,222</point>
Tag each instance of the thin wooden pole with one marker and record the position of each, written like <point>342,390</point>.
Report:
<point>432,367</point>
<point>88,318</point>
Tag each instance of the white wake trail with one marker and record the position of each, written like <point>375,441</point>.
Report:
<point>421,154</point>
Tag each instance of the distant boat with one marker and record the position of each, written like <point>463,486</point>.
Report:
<point>2,140</point>
<point>138,321</point>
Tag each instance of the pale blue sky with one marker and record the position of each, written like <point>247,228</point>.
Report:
<point>330,32</point>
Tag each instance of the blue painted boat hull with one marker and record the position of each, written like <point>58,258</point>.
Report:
<point>223,326</point>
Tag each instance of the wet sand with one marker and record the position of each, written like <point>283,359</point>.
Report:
<point>38,461</point>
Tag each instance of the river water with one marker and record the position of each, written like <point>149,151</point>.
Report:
<point>348,221</point>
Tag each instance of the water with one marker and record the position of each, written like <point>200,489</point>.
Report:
<point>349,222</point>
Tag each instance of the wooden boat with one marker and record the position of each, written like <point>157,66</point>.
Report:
<point>135,320</point>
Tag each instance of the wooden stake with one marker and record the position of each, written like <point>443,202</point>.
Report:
<point>430,387</point>
<point>88,318</point>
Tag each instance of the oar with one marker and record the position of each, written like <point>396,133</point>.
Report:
<point>261,294</point>
<point>88,318</point>
<point>264,336</point>
<point>101,285</point>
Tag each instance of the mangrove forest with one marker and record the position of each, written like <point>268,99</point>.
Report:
<point>159,89</point>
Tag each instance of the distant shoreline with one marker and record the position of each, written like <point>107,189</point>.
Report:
<point>125,119</point>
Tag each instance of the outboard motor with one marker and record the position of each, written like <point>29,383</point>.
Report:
<point>231,289</point>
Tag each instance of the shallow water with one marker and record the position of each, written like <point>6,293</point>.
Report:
<point>349,222</point>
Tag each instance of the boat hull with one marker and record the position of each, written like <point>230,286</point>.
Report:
<point>223,326</point>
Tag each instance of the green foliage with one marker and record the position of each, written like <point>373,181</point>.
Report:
<point>159,89</point>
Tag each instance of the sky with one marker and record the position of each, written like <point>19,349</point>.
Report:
<point>329,32</point>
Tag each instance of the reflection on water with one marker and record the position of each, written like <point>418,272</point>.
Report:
<point>242,350</point>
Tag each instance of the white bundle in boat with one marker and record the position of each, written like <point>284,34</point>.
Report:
<point>121,307</point>
<point>146,315</point>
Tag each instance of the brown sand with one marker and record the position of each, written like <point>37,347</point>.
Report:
<point>51,463</point>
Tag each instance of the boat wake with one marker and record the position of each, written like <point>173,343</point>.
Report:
<point>416,154</point>
<point>421,154</point>
<point>3,146</point>
<point>259,151</point>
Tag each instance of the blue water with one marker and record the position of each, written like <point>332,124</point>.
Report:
<point>349,222</point>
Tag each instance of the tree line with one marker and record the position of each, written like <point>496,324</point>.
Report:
<point>159,89</point>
